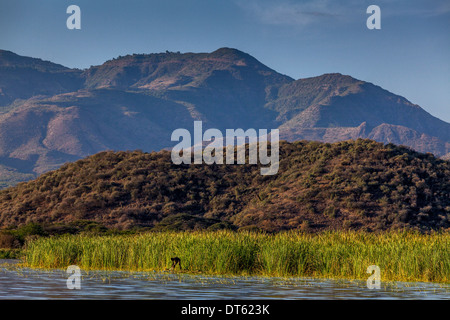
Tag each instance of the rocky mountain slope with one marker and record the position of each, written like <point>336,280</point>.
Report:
<point>50,114</point>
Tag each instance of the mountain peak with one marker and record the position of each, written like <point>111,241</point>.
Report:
<point>11,59</point>
<point>236,55</point>
<point>6,53</point>
<point>225,51</point>
<point>336,78</point>
<point>159,71</point>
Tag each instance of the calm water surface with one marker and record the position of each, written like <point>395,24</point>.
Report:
<point>24,283</point>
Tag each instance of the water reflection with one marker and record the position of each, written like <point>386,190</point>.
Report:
<point>24,283</point>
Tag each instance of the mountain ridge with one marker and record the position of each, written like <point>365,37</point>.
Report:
<point>50,114</point>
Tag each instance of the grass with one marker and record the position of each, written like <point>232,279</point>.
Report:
<point>10,253</point>
<point>401,256</point>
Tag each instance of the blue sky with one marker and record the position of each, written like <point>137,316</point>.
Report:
<point>409,56</point>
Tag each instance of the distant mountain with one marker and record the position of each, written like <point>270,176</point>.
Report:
<point>334,107</point>
<point>50,114</point>
<point>23,78</point>
<point>358,185</point>
<point>226,88</point>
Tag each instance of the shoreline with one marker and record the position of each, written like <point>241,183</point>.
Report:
<point>25,283</point>
<point>385,283</point>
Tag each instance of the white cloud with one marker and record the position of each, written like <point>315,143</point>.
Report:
<point>299,13</point>
<point>306,12</point>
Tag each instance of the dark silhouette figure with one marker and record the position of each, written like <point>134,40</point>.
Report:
<point>176,261</point>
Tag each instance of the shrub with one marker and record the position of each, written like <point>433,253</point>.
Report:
<point>8,241</point>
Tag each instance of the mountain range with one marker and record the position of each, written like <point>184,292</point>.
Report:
<point>51,114</point>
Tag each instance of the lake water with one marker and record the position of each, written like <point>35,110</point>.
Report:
<point>24,283</point>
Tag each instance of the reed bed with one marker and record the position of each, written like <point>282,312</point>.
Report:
<point>401,256</point>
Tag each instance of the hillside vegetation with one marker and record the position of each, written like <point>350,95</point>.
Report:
<point>353,185</point>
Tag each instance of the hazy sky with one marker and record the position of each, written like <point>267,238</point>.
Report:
<point>409,56</point>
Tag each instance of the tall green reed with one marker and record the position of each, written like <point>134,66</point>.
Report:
<point>405,256</point>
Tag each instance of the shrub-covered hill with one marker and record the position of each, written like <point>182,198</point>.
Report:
<point>358,184</point>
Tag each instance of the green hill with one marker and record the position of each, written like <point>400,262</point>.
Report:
<point>358,185</point>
